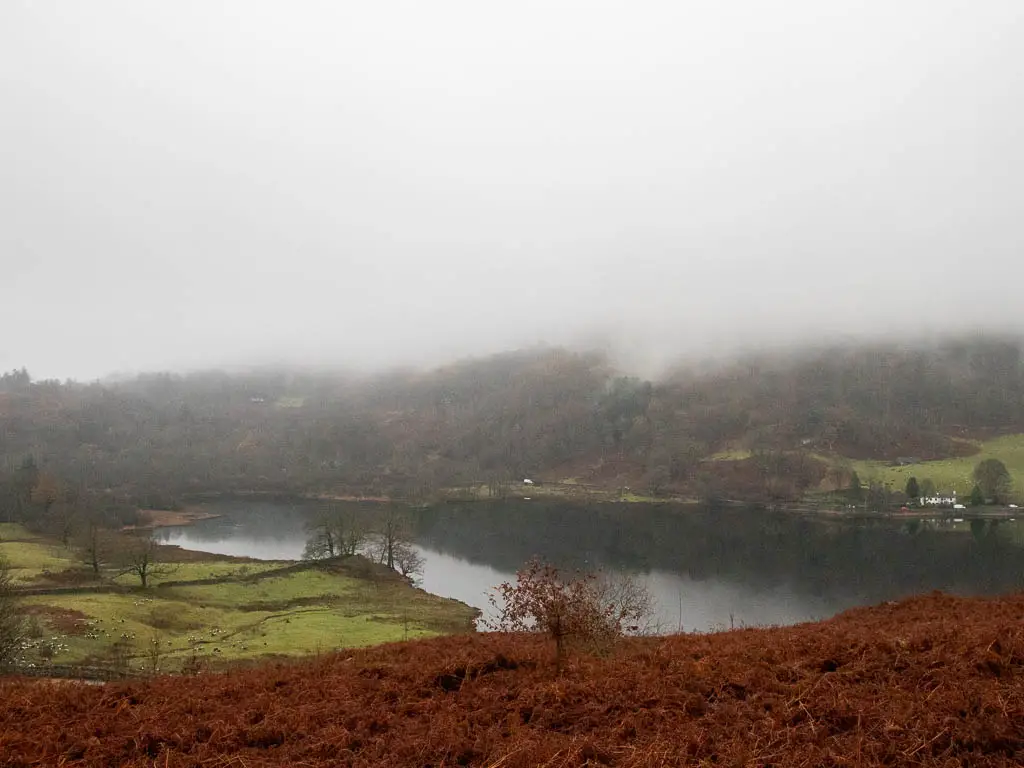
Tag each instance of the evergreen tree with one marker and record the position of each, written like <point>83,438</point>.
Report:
<point>927,488</point>
<point>856,492</point>
<point>977,498</point>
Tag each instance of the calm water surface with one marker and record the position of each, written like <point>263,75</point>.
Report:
<point>706,568</point>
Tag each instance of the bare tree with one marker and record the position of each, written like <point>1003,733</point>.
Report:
<point>12,623</point>
<point>62,520</point>
<point>334,532</point>
<point>97,546</point>
<point>584,608</point>
<point>627,603</point>
<point>392,534</point>
<point>498,484</point>
<point>155,652</point>
<point>408,561</point>
<point>140,556</point>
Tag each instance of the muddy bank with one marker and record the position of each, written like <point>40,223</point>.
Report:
<point>159,518</point>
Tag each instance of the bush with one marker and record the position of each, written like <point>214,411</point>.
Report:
<point>588,610</point>
<point>167,617</point>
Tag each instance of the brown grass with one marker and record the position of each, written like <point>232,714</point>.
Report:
<point>67,621</point>
<point>68,577</point>
<point>932,681</point>
<point>151,518</point>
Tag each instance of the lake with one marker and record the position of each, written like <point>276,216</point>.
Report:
<point>707,569</point>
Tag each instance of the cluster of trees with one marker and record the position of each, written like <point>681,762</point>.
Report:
<point>47,503</point>
<point>993,484</point>
<point>89,522</point>
<point>496,420</point>
<point>385,537</point>
<point>14,381</point>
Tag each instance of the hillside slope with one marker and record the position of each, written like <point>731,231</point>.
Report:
<point>782,422</point>
<point>932,681</point>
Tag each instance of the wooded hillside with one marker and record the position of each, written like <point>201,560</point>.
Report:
<point>550,414</point>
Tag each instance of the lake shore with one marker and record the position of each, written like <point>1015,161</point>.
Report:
<point>579,494</point>
<point>211,610</point>
<point>162,518</point>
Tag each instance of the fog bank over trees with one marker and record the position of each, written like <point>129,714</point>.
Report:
<point>393,183</point>
<point>786,424</point>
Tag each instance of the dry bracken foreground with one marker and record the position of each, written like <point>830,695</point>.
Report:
<point>932,681</point>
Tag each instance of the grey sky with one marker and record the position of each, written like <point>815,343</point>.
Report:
<point>199,182</point>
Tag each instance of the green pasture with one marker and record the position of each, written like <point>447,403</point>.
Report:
<point>206,569</point>
<point>731,455</point>
<point>30,557</point>
<point>254,610</point>
<point>951,474</point>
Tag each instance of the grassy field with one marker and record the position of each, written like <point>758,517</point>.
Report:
<point>952,474</point>
<point>253,610</point>
<point>212,569</point>
<point>731,455</point>
<point>570,489</point>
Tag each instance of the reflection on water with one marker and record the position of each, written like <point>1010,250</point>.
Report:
<point>705,568</point>
<point>460,579</point>
<point>234,541</point>
<point>685,604</point>
<point>260,530</point>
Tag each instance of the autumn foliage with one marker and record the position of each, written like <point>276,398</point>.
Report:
<point>932,681</point>
<point>584,609</point>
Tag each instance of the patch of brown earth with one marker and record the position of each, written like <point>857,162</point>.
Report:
<point>67,621</point>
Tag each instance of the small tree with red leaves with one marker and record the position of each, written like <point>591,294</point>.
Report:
<point>585,609</point>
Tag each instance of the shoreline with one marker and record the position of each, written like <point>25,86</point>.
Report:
<point>167,518</point>
<point>196,512</point>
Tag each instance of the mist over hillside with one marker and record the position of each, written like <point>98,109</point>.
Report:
<point>382,184</point>
<point>757,427</point>
<point>332,324</point>
<point>785,236</point>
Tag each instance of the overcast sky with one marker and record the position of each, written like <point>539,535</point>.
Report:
<point>198,182</point>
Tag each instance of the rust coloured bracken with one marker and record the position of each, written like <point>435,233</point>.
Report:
<point>932,681</point>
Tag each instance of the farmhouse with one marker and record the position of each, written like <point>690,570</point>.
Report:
<point>939,501</point>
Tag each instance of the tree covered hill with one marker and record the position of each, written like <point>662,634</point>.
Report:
<point>551,413</point>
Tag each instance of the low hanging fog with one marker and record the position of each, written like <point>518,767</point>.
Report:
<point>362,184</point>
